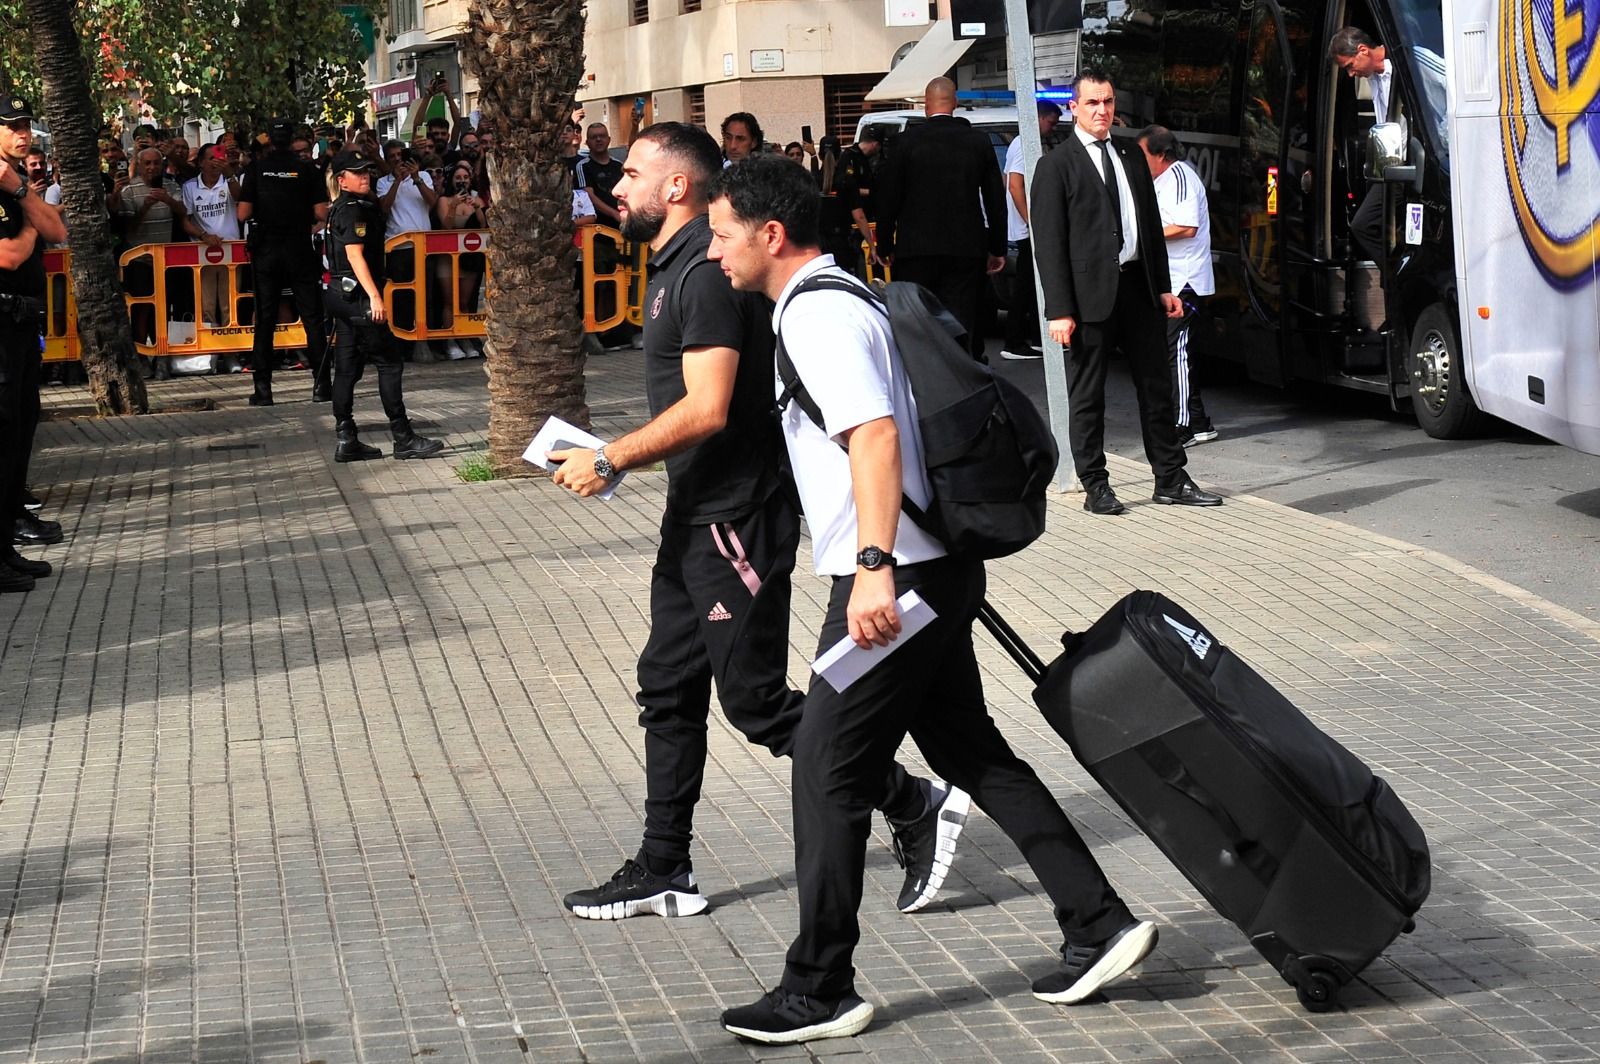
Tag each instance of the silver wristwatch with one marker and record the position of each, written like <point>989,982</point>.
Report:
<point>602,465</point>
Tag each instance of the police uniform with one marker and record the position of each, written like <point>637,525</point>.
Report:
<point>284,192</point>
<point>355,219</point>
<point>21,327</point>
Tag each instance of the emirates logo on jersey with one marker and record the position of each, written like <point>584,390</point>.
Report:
<point>655,306</point>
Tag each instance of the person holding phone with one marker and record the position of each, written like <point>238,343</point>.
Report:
<point>460,208</point>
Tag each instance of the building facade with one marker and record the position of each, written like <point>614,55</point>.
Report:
<point>417,39</point>
<point>791,63</point>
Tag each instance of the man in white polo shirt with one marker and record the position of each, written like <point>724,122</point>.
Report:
<point>1186,224</point>
<point>851,476</point>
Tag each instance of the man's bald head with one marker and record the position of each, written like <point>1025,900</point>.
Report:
<point>939,98</point>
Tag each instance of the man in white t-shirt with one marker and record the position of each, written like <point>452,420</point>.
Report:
<point>405,192</point>
<point>851,476</point>
<point>1022,317</point>
<point>212,199</point>
<point>1186,223</point>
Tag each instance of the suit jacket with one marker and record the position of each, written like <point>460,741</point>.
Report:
<point>940,193</point>
<point>1074,237</point>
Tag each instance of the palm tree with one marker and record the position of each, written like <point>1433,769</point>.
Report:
<point>528,56</point>
<point>108,354</point>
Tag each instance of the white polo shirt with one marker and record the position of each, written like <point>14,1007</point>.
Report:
<point>410,210</point>
<point>1181,195</point>
<point>843,351</point>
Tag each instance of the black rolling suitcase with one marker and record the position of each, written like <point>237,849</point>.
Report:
<point>1285,832</point>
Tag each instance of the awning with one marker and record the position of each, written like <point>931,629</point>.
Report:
<point>933,57</point>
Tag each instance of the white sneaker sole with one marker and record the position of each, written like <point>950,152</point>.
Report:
<point>1021,356</point>
<point>667,903</point>
<point>1132,948</point>
<point>952,819</point>
<point>851,1023</point>
<point>1205,437</point>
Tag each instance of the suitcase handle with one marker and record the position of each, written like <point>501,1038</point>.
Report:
<point>1011,642</point>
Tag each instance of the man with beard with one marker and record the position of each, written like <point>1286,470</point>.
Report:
<point>720,590</point>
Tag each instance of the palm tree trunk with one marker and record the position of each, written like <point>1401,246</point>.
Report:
<point>103,331</point>
<point>528,56</point>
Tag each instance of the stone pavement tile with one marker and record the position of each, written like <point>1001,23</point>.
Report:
<point>307,755</point>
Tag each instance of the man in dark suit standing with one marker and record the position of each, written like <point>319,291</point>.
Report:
<point>942,208</point>
<point>1103,267</point>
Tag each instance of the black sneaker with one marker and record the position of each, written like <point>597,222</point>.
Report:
<point>1185,437</point>
<point>926,846</point>
<point>636,891</point>
<point>1085,969</point>
<point>1205,435</point>
<point>783,1018</point>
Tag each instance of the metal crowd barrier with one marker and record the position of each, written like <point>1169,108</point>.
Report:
<point>195,299</point>
<point>60,308</point>
<point>429,258</point>
<point>199,299</point>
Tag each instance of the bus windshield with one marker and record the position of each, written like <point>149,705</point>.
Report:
<point>1420,50</point>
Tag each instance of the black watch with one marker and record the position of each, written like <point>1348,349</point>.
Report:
<point>873,558</point>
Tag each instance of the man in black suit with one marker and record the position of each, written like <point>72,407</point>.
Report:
<point>942,208</point>
<point>1103,266</point>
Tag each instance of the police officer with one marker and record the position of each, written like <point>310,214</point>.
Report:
<point>857,166</point>
<point>283,197</point>
<point>27,224</point>
<point>355,299</point>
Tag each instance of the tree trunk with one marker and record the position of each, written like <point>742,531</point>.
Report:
<point>103,331</point>
<point>528,56</point>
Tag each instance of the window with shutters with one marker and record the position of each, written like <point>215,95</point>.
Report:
<point>689,7</point>
<point>694,103</point>
<point>844,101</point>
<point>638,12</point>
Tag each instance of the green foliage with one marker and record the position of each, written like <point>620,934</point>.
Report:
<point>234,61</point>
<point>477,466</point>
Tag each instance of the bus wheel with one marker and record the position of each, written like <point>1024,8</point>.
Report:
<point>1439,395</point>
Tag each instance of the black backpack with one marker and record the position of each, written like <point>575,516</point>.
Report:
<point>988,453</point>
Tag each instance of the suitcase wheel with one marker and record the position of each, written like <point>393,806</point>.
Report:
<point>1318,989</point>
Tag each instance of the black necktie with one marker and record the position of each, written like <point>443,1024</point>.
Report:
<point>1110,174</point>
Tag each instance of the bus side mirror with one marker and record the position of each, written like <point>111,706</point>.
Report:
<point>1386,148</point>
<point>1395,157</point>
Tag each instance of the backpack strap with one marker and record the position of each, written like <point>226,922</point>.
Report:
<point>794,389</point>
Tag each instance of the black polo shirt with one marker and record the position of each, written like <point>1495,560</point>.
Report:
<point>28,278</point>
<point>284,191</point>
<point>356,220</point>
<point>689,302</point>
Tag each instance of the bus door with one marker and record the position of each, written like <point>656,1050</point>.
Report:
<point>1263,192</point>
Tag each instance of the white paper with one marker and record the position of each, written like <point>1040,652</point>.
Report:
<point>558,435</point>
<point>844,663</point>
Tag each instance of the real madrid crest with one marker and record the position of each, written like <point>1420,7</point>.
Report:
<point>1550,130</point>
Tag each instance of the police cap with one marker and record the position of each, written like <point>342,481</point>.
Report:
<point>358,162</point>
<point>280,127</point>
<point>872,134</point>
<point>13,108</point>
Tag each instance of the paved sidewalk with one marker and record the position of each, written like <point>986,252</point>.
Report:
<point>297,760</point>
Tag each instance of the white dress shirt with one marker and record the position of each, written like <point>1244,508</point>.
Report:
<point>1130,219</point>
